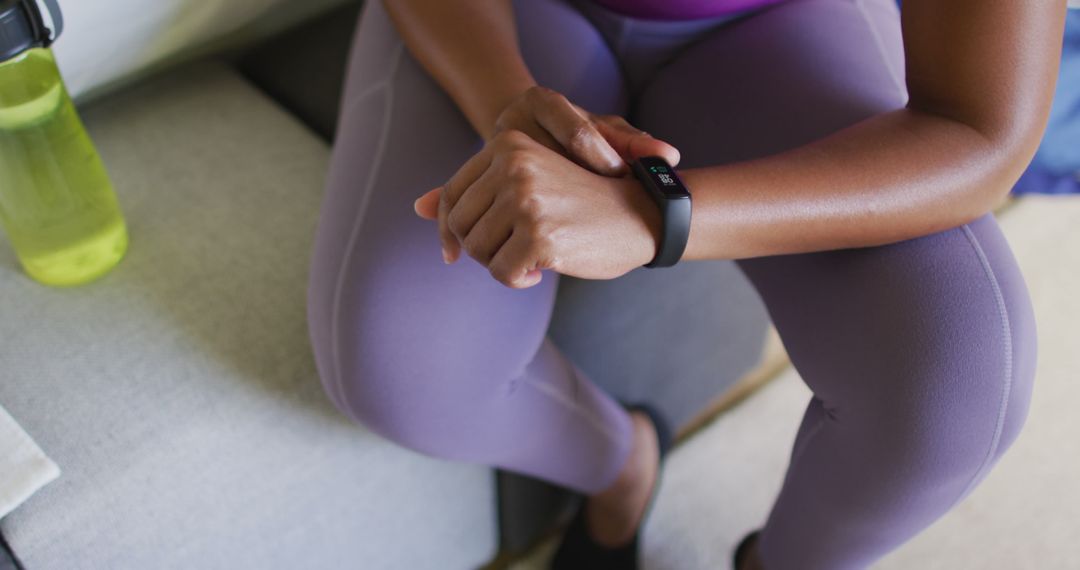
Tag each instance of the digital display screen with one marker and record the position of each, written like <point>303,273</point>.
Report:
<point>663,175</point>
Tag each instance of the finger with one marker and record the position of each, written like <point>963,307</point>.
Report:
<point>471,206</point>
<point>525,121</point>
<point>427,205</point>
<point>451,192</point>
<point>631,142</point>
<point>488,234</point>
<point>511,265</point>
<point>576,133</point>
<point>542,136</point>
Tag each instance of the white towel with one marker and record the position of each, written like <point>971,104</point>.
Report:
<point>24,468</point>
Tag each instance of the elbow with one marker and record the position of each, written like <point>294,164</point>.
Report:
<point>1004,138</point>
<point>1016,150</point>
<point>1014,134</point>
<point>1009,148</point>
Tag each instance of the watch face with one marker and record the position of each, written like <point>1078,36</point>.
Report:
<point>664,176</point>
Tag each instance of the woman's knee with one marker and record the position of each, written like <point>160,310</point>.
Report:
<point>961,435</point>
<point>955,377</point>
<point>1017,322</point>
<point>927,345</point>
<point>421,375</point>
<point>961,429</point>
<point>1003,341</point>
<point>406,397</point>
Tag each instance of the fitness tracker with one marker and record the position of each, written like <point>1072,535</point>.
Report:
<point>669,193</point>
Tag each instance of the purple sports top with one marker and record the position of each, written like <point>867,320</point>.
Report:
<point>681,9</point>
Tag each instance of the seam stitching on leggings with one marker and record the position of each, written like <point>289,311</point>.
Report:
<point>374,87</point>
<point>555,395</point>
<point>880,44</point>
<point>387,84</point>
<point>999,298</point>
<point>575,408</point>
<point>384,82</point>
<point>799,452</point>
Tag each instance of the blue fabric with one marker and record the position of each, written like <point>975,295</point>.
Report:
<point>1056,167</point>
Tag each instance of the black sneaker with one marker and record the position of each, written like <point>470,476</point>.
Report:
<point>743,549</point>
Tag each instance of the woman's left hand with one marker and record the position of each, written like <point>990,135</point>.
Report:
<point>518,207</point>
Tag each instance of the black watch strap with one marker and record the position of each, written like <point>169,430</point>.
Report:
<point>665,187</point>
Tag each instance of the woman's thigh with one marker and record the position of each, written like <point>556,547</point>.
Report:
<point>382,304</point>
<point>931,340</point>
<point>798,72</point>
<point>777,79</point>
<point>920,353</point>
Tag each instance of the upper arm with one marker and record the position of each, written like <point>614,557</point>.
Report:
<point>990,64</point>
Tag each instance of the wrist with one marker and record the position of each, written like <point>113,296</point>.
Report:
<point>663,185</point>
<point>499,99</point>
<point>651,220</point>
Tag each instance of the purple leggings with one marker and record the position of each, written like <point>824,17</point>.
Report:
<point>920,353</point>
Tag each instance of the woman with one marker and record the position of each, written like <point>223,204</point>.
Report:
<point>848,169</point>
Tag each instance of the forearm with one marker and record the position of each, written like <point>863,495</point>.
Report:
<point>896,176</point>
<point>470,48</point>
<point>980,77</point>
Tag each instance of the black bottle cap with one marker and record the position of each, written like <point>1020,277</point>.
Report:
<point>23,25</point>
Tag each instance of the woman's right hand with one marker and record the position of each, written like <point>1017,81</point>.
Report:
<point>604,144</point>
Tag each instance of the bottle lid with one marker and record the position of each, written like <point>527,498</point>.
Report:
<point>26,24</point>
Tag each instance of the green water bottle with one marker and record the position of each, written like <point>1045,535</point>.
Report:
<point>57,204</point>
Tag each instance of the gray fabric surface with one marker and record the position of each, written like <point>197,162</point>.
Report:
<point>709,328</point>
<point>693,331</point>
<point>178,393</point>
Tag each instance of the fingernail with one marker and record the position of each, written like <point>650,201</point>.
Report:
<point>445,256</point>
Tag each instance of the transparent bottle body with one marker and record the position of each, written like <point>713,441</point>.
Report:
<point>57,204</point>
